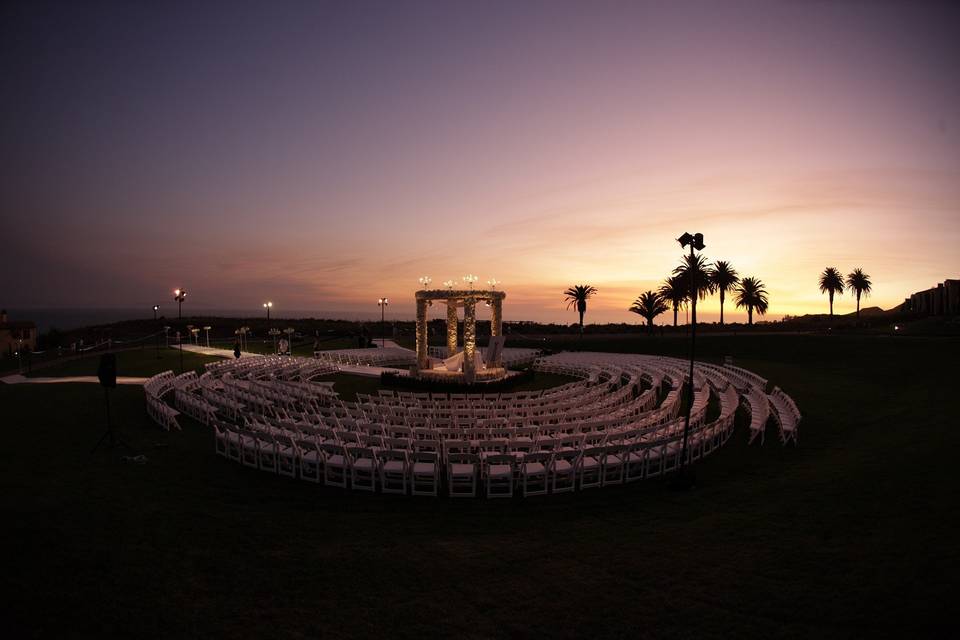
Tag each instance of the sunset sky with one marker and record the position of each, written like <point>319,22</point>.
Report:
<point>324,154</point>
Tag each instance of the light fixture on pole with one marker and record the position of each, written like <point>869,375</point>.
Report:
<point>470,279</point>
<point>493,282</point>
<point>179,295</point>
<point>448,284</point>
<point>695,242</point>
<point>207,330</point>
<point>268,305</point>
<point>425,281</point>
<point>382,303</point>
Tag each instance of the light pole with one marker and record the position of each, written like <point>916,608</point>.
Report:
<point>289,331</point>
<point>383,302</point>
<point>207,330</point>
<point>156,338</point>
<point>695,242</point>
<point>274,333</point>
<point>180,343</point>
<point>179,295</point>
<point>268,305</point>
<point>470,279</point>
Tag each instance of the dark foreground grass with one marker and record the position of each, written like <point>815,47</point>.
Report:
<point>852,534</point>
<point>137,363</point>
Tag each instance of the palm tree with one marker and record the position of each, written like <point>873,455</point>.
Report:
<point>578,295</point>
<point>723,277</point>
<point>699,269</point>
<point>859,283</point>
<point>831,282</point>
<point>649,305</point>
<point>752,295</point>
<point>673,291</point>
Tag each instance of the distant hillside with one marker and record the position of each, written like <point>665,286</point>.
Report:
<point>865,312</point>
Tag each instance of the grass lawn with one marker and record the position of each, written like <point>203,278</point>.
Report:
<point>348,386</point>
<point>851,534</point>
<point>303,348</point>
<point>135,362</point>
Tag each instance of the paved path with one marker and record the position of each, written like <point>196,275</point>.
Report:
<point>214,351</point>
<point>370,371</point>
<point>19,379</point>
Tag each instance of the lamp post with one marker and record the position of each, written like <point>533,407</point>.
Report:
<point>448,284</point>
<point>156,339</point>
<point>470,279</point>
<point>180,343</point>
<point>289,331</point>
<point>425,281</point>
<point>382,303</point>
<point>493,282</point>
<point>268,305</point>
<point>695,242</point>
<point>179,295</point>
<point>207,330</point>
<point>274,333</point>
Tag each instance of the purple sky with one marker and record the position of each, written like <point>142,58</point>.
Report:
<point>322,154</point>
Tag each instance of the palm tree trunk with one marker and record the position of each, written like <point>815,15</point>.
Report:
<point>581,324</point>
<point>675,310</point>
<point>831,303</point>
<point>721,307</point>
<point>750,316</point>
<point>858,306</point>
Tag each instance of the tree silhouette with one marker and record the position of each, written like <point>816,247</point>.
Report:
<point>649,305</point>
<point>724,278</point>
<point>673,291</point>
<point>752,295</point>
<point>831,282</point>
<point>578,295</point>
<point>698,268</point>
<point>859,283</point>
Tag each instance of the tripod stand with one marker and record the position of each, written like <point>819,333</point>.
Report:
<point>109,435</point>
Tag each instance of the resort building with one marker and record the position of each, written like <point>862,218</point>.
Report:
<point>941,300</point>
<point>15,335</point>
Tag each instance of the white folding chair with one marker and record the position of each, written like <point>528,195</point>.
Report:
<point>394,470</point>
<point>591,467</point>
<point>462,471</point>
<point>534,469</point>
<point>363,468</point>
<point>311,461</point>
<point>336,465</point>
<point>424,473</point>
<point>499,471</point>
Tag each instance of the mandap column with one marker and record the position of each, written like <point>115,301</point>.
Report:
<point>496,325</point>
<point>451,327</point>
<point>469,338</point>
<point>421,333</point>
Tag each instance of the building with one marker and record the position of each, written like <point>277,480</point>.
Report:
<point>941,300</point>
<point>16,335</point>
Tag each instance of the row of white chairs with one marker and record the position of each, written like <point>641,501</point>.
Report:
<point>461,473</point>
<point>787,415</point>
